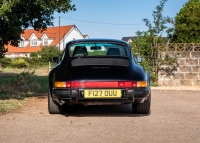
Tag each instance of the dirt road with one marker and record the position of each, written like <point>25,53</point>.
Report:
<point>174,117</point>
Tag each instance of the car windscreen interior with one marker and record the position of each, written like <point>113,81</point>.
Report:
<point>97,49</point>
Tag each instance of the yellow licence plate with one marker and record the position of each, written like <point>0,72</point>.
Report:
<point>108,93</point>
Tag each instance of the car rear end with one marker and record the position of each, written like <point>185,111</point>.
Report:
<point>97,73</point>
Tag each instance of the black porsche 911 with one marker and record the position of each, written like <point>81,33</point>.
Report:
<point>98,72</point>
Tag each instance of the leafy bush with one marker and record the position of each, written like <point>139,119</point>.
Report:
<point>5,62</point>
<point>34,54</point>
<point>186,24</point>
<point>34,62</point>
<point>19,63</point>
<point>47,52</point>
<point>146,44</point>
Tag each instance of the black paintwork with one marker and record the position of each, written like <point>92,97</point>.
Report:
<point>103,69</point>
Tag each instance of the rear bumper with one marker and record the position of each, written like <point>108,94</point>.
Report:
<point>137,95</point>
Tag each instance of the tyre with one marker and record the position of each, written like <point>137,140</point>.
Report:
<point>54,108</point>
<point>142,108</point>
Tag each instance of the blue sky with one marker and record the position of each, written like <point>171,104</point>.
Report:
<point>124,16</point>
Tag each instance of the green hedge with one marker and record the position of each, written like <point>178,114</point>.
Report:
<point>36,59</point>
<point>21,62</point>
<point>5,62</point>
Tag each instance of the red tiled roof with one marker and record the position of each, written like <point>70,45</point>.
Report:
<point>27,49</point>
<point>51,35</point>
<point>51,32</point>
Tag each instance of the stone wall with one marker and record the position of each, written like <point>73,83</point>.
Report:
<point>187,72</point>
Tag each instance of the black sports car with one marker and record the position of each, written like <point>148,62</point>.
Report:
<point>98,72</point>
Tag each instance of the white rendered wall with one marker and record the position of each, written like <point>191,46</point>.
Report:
<point>72,35</point>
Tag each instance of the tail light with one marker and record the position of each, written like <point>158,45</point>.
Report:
<point>139,84</point>
<point>90,84</point>
<point>62,84</point>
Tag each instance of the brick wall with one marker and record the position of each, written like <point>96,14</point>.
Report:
<point>187,73</point>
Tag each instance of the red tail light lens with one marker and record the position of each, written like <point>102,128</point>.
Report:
<point>124,84</point>
<point>68,84</point>
<point>134,84</point>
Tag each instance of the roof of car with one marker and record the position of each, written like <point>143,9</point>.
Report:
<point>98,40</point>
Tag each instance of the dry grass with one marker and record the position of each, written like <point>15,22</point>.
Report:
<point>42,71</point>
<point>7,106</point>
<point>18,84</point>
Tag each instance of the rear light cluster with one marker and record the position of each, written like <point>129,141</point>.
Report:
<point>88,84</point>
<point>62,84</point>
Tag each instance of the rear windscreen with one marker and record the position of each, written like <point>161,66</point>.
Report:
<point>98,49</point>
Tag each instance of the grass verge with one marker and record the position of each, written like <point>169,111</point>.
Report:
<point>7,106</point>
<point>15,88</point>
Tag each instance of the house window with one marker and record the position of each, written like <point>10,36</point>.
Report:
<point>45,42</point>
<point>34,42</point>
<point>21,44</point>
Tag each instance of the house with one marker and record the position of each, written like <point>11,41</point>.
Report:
<point>85,36</point>
<point>33,41</point>
<point>129,39</point>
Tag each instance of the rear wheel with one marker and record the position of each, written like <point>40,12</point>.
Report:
<point>54,108</point>
<point>142,108</point>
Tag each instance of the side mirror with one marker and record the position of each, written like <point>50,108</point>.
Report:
<point>138,59</point>
<point>54,59</point>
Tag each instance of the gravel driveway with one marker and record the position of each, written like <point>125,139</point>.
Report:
<point>174,117</point>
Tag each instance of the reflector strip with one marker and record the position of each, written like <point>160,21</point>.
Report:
<point>94,84</point>
<point>89,84</point>
<point>102,84</point>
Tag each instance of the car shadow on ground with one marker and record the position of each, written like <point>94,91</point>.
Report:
<point>101,111</point>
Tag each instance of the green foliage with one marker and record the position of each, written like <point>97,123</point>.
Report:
<point>3,50</point>
<point>18,15</point>
<point>22,63</point>
<point>4,7</point>
<point>47,52</point>
<point>143,46</point>
<point>187,23</point>
<point>33,55</point>
<point>146,44</point>
<point>19,63</point>
<point>158,25</point>
<point>94,53</point>
<point>19,86</point>
<point>34,62</point>
<point>5,62</point>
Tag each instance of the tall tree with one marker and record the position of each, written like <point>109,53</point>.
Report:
<point>187,23</point>
<point>18,15</point>
<point>146,44</point>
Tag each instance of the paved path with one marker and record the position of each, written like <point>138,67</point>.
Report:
<point>175,117</point>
